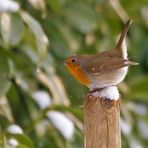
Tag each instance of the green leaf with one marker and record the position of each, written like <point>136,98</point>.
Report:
<point>41,38</point>
<point>68,35</point>
<point>138,89</point>
<point>17,29</point>
<point>3,122</point>
<point>81,16</point>
<point>55,5</point>
<point>12,29</point>
<point>76,111</point>
<point>4,73</point>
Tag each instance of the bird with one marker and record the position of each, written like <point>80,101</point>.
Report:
<point>103,69</point>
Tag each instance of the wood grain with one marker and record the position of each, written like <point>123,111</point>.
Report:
<point>101,122</point>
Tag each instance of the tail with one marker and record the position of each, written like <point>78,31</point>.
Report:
<point>123,35</point>
<point>132,63</point>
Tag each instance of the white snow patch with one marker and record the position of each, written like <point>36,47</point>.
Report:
<point>110,93</point>
<point>8,5</point>
<point>13,143</point>
<point>140,109</point>
<point>143,128</point>
<point>62,123</point>
<point>15,129</point>
<point>125,127</point>
<point>135,143</point>
<point>42,98</point>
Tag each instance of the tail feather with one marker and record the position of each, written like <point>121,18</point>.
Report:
<point>123,35</point>
<point>132,63</point>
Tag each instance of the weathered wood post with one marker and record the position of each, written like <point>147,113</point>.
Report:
<point>102,119</point>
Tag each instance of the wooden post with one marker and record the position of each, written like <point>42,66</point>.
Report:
<point>101,120</point>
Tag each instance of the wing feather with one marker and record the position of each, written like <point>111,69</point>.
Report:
<point>105,64</point>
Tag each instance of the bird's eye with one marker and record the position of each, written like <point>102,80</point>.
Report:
<point>73,60</point>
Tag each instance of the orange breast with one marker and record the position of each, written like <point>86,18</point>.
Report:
<point>79,74</point>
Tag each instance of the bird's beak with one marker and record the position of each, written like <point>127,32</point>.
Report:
<point>65,62</point>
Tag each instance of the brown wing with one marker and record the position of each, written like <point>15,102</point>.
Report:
<point>105,64</point>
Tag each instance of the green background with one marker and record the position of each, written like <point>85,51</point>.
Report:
<point>35,41</point>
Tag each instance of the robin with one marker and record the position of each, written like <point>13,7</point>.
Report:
<point>102,69</point>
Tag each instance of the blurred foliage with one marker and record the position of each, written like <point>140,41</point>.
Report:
<point>34,42</point>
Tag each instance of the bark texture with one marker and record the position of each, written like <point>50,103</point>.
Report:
<point>101,122</point>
